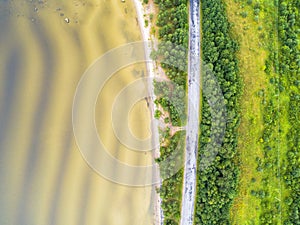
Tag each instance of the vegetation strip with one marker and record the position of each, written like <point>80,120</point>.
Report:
<point>288,83</point>
<point>172,23</point>
<point>217,183</point>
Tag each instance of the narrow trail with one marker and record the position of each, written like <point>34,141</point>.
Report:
<point>192,126</point>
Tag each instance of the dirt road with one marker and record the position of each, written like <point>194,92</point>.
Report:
<point>192,126</point>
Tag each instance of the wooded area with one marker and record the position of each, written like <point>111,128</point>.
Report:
<point>217,183</point>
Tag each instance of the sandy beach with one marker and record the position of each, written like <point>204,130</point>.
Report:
<point>153,71</point>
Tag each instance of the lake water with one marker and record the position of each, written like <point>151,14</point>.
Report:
<point>45,47</point>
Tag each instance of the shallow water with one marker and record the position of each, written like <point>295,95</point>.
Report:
<point>44,179</point>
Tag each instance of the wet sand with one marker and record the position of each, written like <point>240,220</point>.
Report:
<point>143,12</point>
<point>44,179</point>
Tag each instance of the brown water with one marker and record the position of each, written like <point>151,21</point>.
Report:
<point>43,177</point>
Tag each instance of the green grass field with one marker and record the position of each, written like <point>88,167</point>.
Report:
<point>252,56</point>
<point>261,170</point>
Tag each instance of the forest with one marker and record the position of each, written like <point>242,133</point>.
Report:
<point>217,182</point>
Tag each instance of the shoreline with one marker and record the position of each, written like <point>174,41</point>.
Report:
<point>151,71</point>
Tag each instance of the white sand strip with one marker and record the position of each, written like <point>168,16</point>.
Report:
<point>148,38</point>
